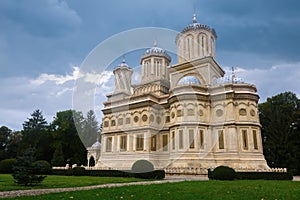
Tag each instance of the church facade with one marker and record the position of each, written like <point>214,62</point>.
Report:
<point>182,116</point>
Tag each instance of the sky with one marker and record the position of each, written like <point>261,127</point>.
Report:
<point>43,44</point>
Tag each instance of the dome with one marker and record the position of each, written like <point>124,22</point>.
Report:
<point>188,80</point>
<point>156,51</point>
<point>197,26</point>
<point>123,64</point>
<point>96,145</point>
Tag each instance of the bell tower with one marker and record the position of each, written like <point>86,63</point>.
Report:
<point>154,64</point>
<point>196,41</point>
<point>122,79</point>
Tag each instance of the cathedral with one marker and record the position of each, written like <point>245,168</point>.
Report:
<point>184,117</point>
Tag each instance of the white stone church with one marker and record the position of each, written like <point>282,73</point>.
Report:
<point>184,118</point>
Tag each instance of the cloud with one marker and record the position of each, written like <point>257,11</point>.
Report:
<point>273,80</point>
<point>98,79</point>
<point>48,92</point>
<point>47,18</point>
<point>58,79</point>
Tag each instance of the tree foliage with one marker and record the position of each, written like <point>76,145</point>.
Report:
<point>65,132</point>
<point>24,172</point>
<point>4,137</point>
<point>9,142</point>
<point>279,117</point>
<point>36,135</point>
<point>58,156</point>
<point>90,129</point>
<point>56,142</point>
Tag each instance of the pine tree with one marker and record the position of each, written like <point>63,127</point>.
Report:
<point>90,129</point>
<point>58,156</point>
<point>24,172</point>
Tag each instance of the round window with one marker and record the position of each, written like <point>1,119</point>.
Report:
<point>144,118</point>
<point>252,113</point>
<point>158,119</point>
<point>219,112</point>
<point>136,119</point>
<point>151,118</point>
<point>243,112</point>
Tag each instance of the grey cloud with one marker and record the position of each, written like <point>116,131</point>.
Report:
<point>46,18</point>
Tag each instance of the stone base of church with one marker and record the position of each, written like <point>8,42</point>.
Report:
<point>187,164</point>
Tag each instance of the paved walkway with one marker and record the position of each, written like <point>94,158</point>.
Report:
<point>168,179</point>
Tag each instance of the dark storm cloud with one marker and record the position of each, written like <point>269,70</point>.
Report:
<point>44,18</point>
<point>268,29</point>
<point>42,41</point>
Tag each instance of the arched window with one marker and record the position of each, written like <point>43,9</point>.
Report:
<point>189,80</point>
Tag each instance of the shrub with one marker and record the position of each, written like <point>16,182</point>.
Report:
<point>24,172</point>
<point>223,173</point>
<point>264,175</point>
<point>6,165</point>
<point>78,171</point>
<point>157,174</point>
<point>142,166</point>
<point>42,167</point>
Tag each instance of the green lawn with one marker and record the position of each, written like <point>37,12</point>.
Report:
<point>258,189</point>
<point>7,182</point>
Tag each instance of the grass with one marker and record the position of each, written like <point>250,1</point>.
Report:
<point>254,189</point>
<point>52,181</point>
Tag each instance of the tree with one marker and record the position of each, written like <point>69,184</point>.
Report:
<point>278,117</point>
<point>24,172</point>
<point>36,135</point>
<point>91,129</point>
<point>4,138</point>
<point>58,156</point>
<point>64,131</point>
<point>13,144</point>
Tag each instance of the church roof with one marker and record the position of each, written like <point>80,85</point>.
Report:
<point>197,26</point>
<point>123,65</point>
<point>156,51</point>
<point>96,145</point>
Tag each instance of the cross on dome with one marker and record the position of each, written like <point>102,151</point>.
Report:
<point>195,18</point>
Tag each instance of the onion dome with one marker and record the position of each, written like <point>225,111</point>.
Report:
<point>123,64</point>
<point>188,80</point>
<point>197,26</point>
<point>96,145</point>
<point>156,51</point>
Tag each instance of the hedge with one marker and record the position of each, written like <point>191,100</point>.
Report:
<point>264,175</point>
<point>80,171</point>
<point>6,165</point>
<point>216,174</point>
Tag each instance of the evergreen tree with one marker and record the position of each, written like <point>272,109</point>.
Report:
<point>58,156</point>
<point>91,129</point>
<point>36,135</point>
<point>24,172</point>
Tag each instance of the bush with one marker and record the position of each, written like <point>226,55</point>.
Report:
<point>42,167</point>
<point>24,172</point>
<point>223,173</point>
<point>142,166</point>
<point>264,175</point>
<point>6,165</point>
<point>78,171</point>
<point>157,174</point>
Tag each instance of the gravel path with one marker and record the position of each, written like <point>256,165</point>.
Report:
<point>17,193</point>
